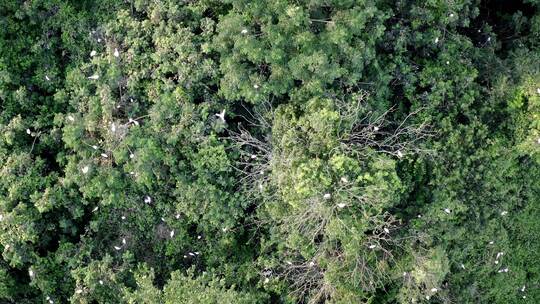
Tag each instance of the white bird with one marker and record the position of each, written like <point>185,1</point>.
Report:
<point>85,169</point>
<point>451,15</point>
<point>47,78</point>
<point>496,262</point>
<point>489,39</point>
<point>197,253</point>
<point>437,40</point>
<point>462,266</point>
<point>104,155</point>
<point>372,246</point>
<point>327,196</point>
<point>504,213</point>
<point>123,241</point>
<point>255,86</point>
<point>1,217</point>
<point>224,229</point>
<point>185,256</point>
<point>191,254</point>
<point>244,31</point>
<point>538,90</point>
<point>93,53</point>
<point>94,77</point>
<point>94,147</point>
<point>163,219</point>
<point>386,230</point>
<point>447,210</point>
<point>123,217</point>
<point>31,273</point>
<point>177,216</point>
<point>70,118</point>
<point>341,205</point>
<point>447,62</point>
<point>434,289</point>
<point>95,209</point>
<point>147,199</point>
<point>538,140</point>
<point>499,254</point>
<point>116,53</point>
<point>491,242</point>
<point>100,282</point>
<point>172,233</point>
<point>78,291</point>
<point>427,297</point>
<point>311,264</point>
<point>99,40</point>
<point>113,127</point>
<point>344,179</point>
<point>523,288</point>
<point>375,128</point>
<point>221,115</point>
<point>198,237</point>
<point>28,131</point>
<point>117,247</point>
<point>253,156</point>
<point>266,280</point>
<point>131,155</point>
<point>51,302</point>
<point>399,154</point>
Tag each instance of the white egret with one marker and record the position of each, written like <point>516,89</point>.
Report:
<point>327,196</point>
<point>341,205</point>
<point>147,199</point>
<point>503,213</point>
<point>131,155</point>
<point>436,40</point>
<point>386,230</point>
<point>93,53</point>
<point>100,282</point>
<point>117,247</point>
<point>113,127</point>
<point>31,273</point>
<point>199,237</point>
<point>375,128</point>
<point>244,31</point>
<point>78,291</point>
<point>372,246</point>
<point>221,115</point>
<point>94,77</point>
<point>28,131</point>
<point>104,155</point>
<point>47,78</point>
<point>434,289</point>
<point>399,154</point>
<point>447,210</point>
<point>123,241</point>
<point>172,233</point>
<point>116,53</point>
<point>344,179</point>
<point>70,118</point>
<point>85,169</point>
<point>255,86</point>
<point>94,147</point>
<point>95,209</point>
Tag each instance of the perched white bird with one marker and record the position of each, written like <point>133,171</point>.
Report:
<point>327,196</point>
<point>94,147</point>
<point>94,77</point>
<point>99,40</point>
<point>399,154</point>
<point>177,216</point>
<point>372,246</point>
<point>70,118</point>
<point>522,288</point>
<point>93,53</point>
<point>95,209</point>
<point>117,247</point>
<point>447,210</point>
<point>199,237</point>
<point>447,62</point>
<point>31,273</point>
<point>437,40</point>
<point>344,179</point>
<point>341,205</point>
<point>28,131</point>
<point>434,289</point>
<point>197,253</point>
<point>116,53</point>
<point>123,217</point>
<point>386,230</point>
<point>78,291</point>
<point>172,233</point>
<point>191,254</point>
<point>266,280</point>
<point>224,229</point>
<point>47,78</point>
<point>131,155</point>
<point>100,282</point>
<point>244,31</point>
<point>253,156</point>
<point>255,86</point>
<point>504,213</point>
<point>221,115</point>
<point>147,199</point>
<point>499,254</point>
<point>123,241</point>
<point>496,262</point>
<point>375,128</point>
<point>311,264</point>
<point>491,242</point>
<point>489,39</point>
<point>85,169</point>
<point>538,90</point>
<point>451,15</point>
<point>104,155</point>
<point>113,127</point>
<point>462,266</point>
<point>1,217</point>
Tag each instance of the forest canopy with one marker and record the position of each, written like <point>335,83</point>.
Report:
<point>251,151</point>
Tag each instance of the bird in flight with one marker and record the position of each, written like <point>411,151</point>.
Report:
<point>221,115</point>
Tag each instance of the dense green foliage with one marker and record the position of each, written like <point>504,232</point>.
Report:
<point>270,151</point>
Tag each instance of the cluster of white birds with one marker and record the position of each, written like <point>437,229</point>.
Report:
<point>192,254</point>
<point>49,300</point>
